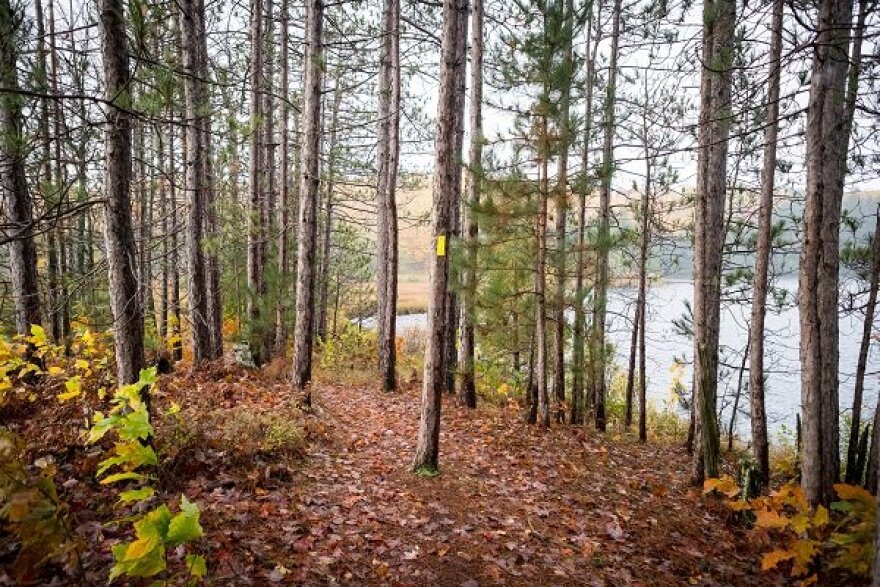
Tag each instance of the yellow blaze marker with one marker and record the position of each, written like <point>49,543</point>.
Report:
<point>441,245</point>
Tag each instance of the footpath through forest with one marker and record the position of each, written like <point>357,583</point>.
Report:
<point>513,505</point>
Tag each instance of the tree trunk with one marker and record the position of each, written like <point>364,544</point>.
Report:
<point>196,180</point>
<point>827,139</point>
<point>16,197</point>
<point>256,228</point>
<point>283,184</point>
<point>214,304</point>
<point>467,390</point>
<point>578,358</point>
<point>332,161</point>
<point>311,148</point>
<point>541,283</point>
<point>561,205</point>
<point>853,473</point>
<point>265,334</point>
<point>445,168</point>
<point>642,297</point>
<point>452,311</point>
<point>719,18</point>
<point>128,318</point>
<point>597,342</point>
<point>760,445</point>
<point>388,154</point>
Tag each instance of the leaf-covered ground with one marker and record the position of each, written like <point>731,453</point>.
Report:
<point>513,505</point>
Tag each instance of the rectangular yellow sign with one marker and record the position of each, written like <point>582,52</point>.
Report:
<point>441,245</point>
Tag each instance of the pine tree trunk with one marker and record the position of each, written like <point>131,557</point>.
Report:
<point>561,205</point>
<point>196,181</point>
<point>445,168</point>
<point>256,229</point>
<point>760,445</point>
<point>827,138</point>
<point>578,370</point>
<point>718,32</point>
<point>642,297</point>
<point>311,146</point>
<point>17,203</point>
<point>541,284</point>
<point>388,153</point>
<point>128,318</point>
<point>62,307</point>
<point>284,182</point>
<point>450,358</point>
<point>853,473</point>
<point>467,390</point>
<point>214,302</point>
<point>597,342</point>
<point>332,161</point>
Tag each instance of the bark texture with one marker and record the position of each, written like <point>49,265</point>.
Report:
<point>196,183</point>
<point>467,390</point>
<point>597,338</point>
<point>445,167</point>
<point>125,301</point>
<point>760,446</point>
<point>17,205</point>
<point>310,184</point>
<point>719,17</point>
<point>827,140</point>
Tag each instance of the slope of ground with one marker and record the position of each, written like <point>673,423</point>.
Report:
<point>513,505</point>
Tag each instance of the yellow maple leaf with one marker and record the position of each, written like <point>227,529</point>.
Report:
<point>770,519</point>
<point>854,493</point>
<point>772,559</point>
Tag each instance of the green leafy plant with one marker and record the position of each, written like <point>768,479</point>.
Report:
<point>158,530</point>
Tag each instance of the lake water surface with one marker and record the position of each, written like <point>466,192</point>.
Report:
<point>667,302</point>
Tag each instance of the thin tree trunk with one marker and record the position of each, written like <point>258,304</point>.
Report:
<point>853,473</point>
<point>284,183</point>
<point>718,32</point>
<point>467,384</point>
<point>16,197</point>
<point>388,153</point>
<point>332,159</point>
<point>62,298</point>
<point>256,229</point>
<point>631,370</point>
<point>597,343</point>
<point>827,139</point>
<point>760,445</point>
<point>445,168</point>
<point>862,364</point>
<point>642,297</point>
<point>541,283</point>
<point>265,333</point>
<point>175,309</point>
<point>578,359</point>
<point>452,310</point>
<point>128,318</point>
<point>311,146</point>
<point>214,303</point>
<point>561,205</point>
<point>731,428</point>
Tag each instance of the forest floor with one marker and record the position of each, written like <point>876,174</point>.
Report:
<point>513,504</point>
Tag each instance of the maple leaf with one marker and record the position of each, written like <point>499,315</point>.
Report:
<point>765,518</point>
<point>772,559</point>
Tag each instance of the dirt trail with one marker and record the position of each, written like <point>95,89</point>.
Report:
<point>513,505</point>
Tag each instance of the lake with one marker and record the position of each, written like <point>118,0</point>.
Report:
<point>664,346</point>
